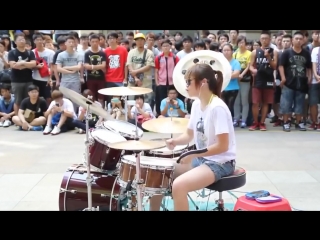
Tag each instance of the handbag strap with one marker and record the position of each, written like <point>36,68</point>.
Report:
<point>36,53</point>
<point>144,57</point>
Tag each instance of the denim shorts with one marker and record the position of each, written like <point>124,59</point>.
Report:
<point>220,170</point>
<point>291,98</point>
<point>314,94</point>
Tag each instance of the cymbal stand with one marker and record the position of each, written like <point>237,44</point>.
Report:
<point>139,181</point>
<point>171,110</point>
<point>87,143</point>
<point>125,98</point>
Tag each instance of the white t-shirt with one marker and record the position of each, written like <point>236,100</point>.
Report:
<point>182,54</point>
<point>314,59</point>
<point>146,108</point>
<point>66,106</point>
<point>216,120</point>
<point>47,55</point>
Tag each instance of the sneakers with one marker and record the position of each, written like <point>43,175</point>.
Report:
<point>235,123</point>
<point>301,126</point>
<point>55,131</point>
<point>313,126</point>
<point>286,127</point>
<point>255,126</point>
<point>6,123</point>
<point>47,130</point>
<point>1,124</point>
<point>263,127</point>
<point>36,128</point>
<point>81,131</point>
<point>243,125</point>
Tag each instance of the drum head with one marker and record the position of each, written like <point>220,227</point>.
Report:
<point>105,136</point>
<point>151,161</point>
<point>122,127</point>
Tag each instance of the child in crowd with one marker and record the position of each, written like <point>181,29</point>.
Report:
<point>80,123</point>
<point>115,107</point>
<point>6,105</point>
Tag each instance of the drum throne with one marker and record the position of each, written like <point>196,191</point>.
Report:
<point>236,180</point>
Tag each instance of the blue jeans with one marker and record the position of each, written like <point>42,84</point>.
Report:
<point>220,170</point>
<point>82,124</point>
<point>289,98</point>
<point>9,108</point>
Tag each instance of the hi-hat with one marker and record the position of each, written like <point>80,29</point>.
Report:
<point>134,145</point>
<point>84,102</point>
<point>124,91</point>
<point>166,125</point>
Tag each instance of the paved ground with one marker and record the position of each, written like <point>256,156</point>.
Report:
<point>32,166</point>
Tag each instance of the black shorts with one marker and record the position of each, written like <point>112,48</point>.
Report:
<point>20,91</point>
<point>277,94</point>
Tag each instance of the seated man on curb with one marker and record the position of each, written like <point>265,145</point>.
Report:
<point>32,112</point>
<point>60,115</point>
<point>6,106</point>
<point>172,106</point>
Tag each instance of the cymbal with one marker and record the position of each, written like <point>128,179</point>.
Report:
<point>84,102</point>
<point>124,91</point>
<point>166,125</point>
<point>134,145</point>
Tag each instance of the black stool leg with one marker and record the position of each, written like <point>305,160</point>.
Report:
<point>220,204</point>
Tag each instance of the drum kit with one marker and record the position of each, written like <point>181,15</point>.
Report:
<point>119,169</point>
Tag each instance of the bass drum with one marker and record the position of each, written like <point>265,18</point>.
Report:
<point>74,194</point>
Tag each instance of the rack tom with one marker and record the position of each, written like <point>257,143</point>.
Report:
<point>125,129</point>
<point>156,173</point>
<point>101,156</point>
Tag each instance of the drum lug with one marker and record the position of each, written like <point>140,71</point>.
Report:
<point>62,190</point>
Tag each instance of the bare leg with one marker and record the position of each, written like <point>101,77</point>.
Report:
<point>113,115</point>
<point>40,121</point>
<point>264,112</point>
<point>16,120</point>
<point>16,109</point>
<point>118,114</point>
<point>195,179</point>
<point>255,112</point>
<point>314,113</point>
<point>179,169</point>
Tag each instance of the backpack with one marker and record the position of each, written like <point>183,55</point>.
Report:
<point>174,59</point>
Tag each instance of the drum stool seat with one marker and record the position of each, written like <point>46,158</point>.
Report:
<point>234,181</point>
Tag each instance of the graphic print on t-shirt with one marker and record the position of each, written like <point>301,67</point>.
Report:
<point>95,60</point>
<point>114,61</point>
<point>202,140</point>
<point>298,65</point>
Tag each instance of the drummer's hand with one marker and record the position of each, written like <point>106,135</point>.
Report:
<point>170,144</point>
<point>188,159</point>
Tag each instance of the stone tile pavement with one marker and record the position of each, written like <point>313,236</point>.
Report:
<point>32,166</point>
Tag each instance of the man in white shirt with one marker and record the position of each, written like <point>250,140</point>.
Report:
<point>60,115</point>
<point>187,47</point>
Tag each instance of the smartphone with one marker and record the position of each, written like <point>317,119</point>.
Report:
<point>57,104</point>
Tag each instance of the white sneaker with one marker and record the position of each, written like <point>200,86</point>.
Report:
<point>1,124</point>
<point>81,131</point>
<point>47,130</point>
<point>55,131</point>
<point>6,123</point>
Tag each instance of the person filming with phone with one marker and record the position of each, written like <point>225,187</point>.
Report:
<point>115,107</point>
<point>60,115</point>
<point>172,106</point>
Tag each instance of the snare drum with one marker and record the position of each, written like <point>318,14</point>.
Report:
<point>125,129</point>
<point>155,172</point>
<point>165,152</point>
<point>74,194</point>
<point>101,156</point>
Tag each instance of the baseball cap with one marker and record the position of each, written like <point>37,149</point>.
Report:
<point>139,35</point>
